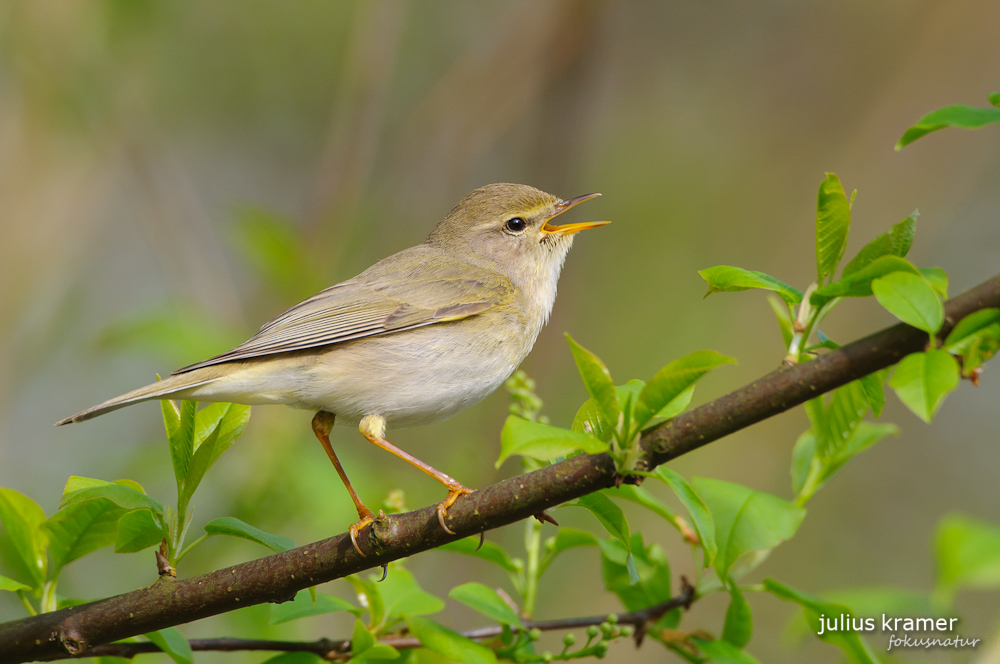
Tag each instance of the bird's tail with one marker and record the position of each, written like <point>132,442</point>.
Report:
<point>168,387</point>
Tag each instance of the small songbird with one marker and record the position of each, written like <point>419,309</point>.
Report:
<point>415,338</point>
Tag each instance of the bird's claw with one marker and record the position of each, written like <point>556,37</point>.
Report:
<point>442,509</point>
<point>356,528</point>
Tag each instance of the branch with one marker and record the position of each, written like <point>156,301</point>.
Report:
<point>170,601</point>
<point>338,649</point>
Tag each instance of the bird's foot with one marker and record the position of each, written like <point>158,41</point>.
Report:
<point>367,518</point>
<point>454,491</point>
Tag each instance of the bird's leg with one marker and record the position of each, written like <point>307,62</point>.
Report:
<point>322,423</point>
<point>373,428</point>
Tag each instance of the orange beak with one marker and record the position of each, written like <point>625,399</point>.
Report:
<point>569,229</point>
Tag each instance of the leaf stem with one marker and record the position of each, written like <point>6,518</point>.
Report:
<point>191,546</point>
<point>27,602</point>
<point>49,600</point>
<point>533,546</point>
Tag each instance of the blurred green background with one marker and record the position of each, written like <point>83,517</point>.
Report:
<point>173,174</point>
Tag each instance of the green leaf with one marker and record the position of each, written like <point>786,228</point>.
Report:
<point>854,647</point>
<point>911,299</point>
<point>725,278</point>
<point>701,517</point>
<point>864,436</point>
<point>895,242</point>
<point>967,553</point>
<point>123,493</point>
<point>676,406</point>
<point>366,648</point>
<point>138,530</point>
<point>809,467</point>
<point>611,517</point>
<point>962,117</point>
<point>976,338</point>
<point>172,642</point>
<point>207,420</point>
<point>640,496</point>
<point>110,660</point>
<point>597,380</point>
<point>848,407</point>
<point>181,438</point>
<point>738,626</point>
<point>833,222</point>
<point>402,594</point>
<point>79,529</point>
<point>923,380</point>
<point>293,658</point>
<point>11,585</point>
<point>748,523</point>
<point>486,601</point>
<point>361,639</point>
<point>672,380</point>
<point>369,597</point>
<point>379,652</point>
<point>22,518</point>
<point>870,602</point>
<point>871,385</point>
<point>985,345</point>
<point>302,606</point>
<point>230,420</point>
<point>803,457</point>
<point>640,584</point>
<point>449,643</point>
<point>489,551</point>
<point>567,538</point>
<point>543,441</point>
<point>937,278</point>
<point>171,415</point>
<point>233,527</point>
<point>969,330</point>
<point>723,652</point>
<point>994,98</point>
<point>859,284</point>
<point>588,418</point>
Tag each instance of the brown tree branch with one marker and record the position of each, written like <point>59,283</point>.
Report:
<point>170,601</point>
<point>340,648</point>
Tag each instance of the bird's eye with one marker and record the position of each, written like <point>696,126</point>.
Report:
<point>515,225</point>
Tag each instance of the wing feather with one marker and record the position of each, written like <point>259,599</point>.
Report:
<point>367,306</point>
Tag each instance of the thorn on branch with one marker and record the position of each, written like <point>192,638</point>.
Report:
<point>543,517</point>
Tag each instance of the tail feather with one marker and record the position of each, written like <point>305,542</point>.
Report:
<point>171,386</point>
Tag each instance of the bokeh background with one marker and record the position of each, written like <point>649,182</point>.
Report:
<point>172,174</point>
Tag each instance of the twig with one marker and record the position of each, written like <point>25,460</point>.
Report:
<point>276,578</point>
<point>335,649</point>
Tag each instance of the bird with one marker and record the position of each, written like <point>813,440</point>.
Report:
<point>414,339</point>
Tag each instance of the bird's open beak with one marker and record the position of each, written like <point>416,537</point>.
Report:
<point>569,229</point>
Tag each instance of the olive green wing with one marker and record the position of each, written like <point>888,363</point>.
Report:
<point>370,305</point>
